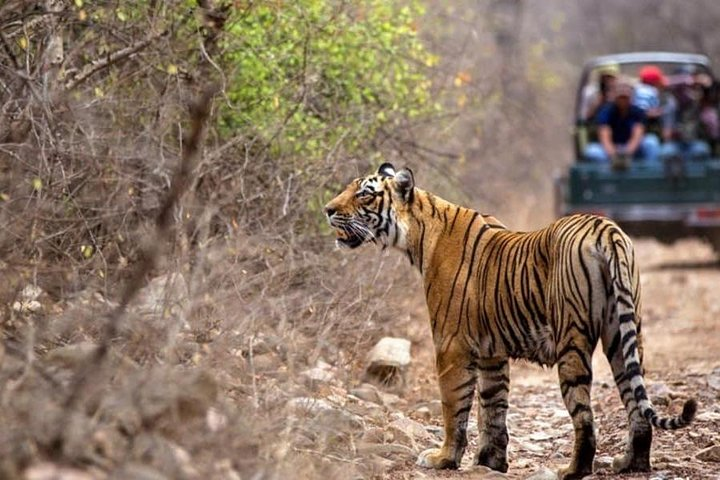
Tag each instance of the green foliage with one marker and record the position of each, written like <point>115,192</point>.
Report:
<point>310,73</point>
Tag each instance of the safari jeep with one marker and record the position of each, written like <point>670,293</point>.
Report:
<point>674,198</point>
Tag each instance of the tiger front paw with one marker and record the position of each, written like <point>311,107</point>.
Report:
<point>629,463</point>
<point>570,473</point>
<point>436,458</point>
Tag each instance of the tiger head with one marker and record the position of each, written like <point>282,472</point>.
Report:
<point>373,208</point>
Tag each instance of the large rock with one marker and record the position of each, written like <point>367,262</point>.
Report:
<point>387,362</point>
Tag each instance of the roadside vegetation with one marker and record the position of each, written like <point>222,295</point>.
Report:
<point>171,302</point>
<point>165,275</point>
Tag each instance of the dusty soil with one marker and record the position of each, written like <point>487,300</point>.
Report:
<point>682,343</point>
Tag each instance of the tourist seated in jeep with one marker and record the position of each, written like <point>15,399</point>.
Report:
<point>596,96</point>
<point>621,133</point>
<point>650,96</point>
<point>710,114</point>
<point>682,121</point>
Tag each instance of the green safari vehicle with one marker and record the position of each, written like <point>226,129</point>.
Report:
<point>677,198</point>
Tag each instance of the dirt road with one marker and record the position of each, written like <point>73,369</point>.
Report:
<point>681,301</point>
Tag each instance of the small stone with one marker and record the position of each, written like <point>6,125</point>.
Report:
<point>713,379</point>
<point>184,460</point>
<point>710,454</point>
<point>140,472</point>
<point>530,447</point>
<point>603,462</point>
<point>30,293</point>
<point>390,399</point>
<point>660,393</point>
<point>385,450</point>
<point>409,431</point>
<point>708,417</point>
<point>309,405</point>
<point>543,474</point>
<point>323,409</point>
<point>423,413</point>
<point>109,443</point>
<point>225,469</point>
<point>216,421</point>
<point>560,413</point>
<point>367,392</point>
<point>72,355</point>
<point>377,435</point>
<point>27,306</point>
<point>387,361</point>
<point>49,471</point>
<point>318,375</point>
<point>541,436</point>
<point>661,475</point>
<point>370,411</point>
<point>435,430</point>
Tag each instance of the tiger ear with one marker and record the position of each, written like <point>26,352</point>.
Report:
<point>405,183</point>
<point>386,170</point>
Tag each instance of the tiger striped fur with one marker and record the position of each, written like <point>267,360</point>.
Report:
<point>547,296</point>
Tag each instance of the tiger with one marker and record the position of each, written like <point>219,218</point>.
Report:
<point>547,296</point>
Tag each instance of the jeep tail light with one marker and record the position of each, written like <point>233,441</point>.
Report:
<point>708,214</point>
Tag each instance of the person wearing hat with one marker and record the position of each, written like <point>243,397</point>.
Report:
<point>595,96</point>
<point>621,132</point>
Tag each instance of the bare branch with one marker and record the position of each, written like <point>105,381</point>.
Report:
<point>112,58</point>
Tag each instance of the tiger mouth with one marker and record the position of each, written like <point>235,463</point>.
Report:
<point>348,239</point>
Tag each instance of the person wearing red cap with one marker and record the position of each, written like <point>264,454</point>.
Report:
<point>647,95</point>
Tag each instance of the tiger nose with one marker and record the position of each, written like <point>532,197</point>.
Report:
<point>329,211</point>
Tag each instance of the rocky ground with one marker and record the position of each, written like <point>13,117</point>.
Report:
<point>309,411</point>
<point>682,344</point>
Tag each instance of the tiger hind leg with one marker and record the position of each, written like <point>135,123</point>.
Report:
<point>574,371</point>
<point>637,452</point>
<point>492,413</point>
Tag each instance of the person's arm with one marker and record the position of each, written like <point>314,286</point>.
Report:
<point>605,137</point>
<point>638,132</point>
<point>593,107</point>
<point>668,119</point>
